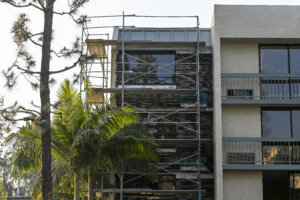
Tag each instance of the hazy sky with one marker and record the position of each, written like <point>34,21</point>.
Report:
<point>65,31</point>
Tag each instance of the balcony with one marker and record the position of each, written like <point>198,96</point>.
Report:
<point>261,89</point>
<point>261,153</point>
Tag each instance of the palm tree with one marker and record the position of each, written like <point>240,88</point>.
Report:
<point>83,138</point>
<point>72,117</point>
<point>130,148</point>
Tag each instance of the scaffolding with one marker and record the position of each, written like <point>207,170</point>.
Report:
<point>121,72</point>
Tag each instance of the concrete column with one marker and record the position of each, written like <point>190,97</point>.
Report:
<point>218,162</point>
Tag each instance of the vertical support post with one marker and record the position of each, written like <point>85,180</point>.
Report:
<point>121,184</point>
<point>102,194</point>
<point>18,189</point>
<point>123,58</point>
<point>107,72</point>
<point>290,159</point>
<point>198,107</point>
<point>199,195</point>
<point>81,65</point>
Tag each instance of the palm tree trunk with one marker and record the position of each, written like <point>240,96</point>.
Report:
<point>121,185</point>
<point>76,186</point>
<point>102,194</point>
<point>90,185</point>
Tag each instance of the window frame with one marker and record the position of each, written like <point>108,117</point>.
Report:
<point>146,76</point>
<point>290,109</point>
<point>289,80</point>
<point>270,45</point>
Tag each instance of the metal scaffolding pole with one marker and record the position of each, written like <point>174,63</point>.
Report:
<point>123,74</point>
<point>123,58</point>
<point>198,108</point>
<point>165,117</point>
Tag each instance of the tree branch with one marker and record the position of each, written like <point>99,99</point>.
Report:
<point>25,70</point>
<point>41,4</point>
<point>34,85</point>
<point>19,119</point>
<point>38,44</point>
<point>80,59</point>
<point>22,6</point>
<point>9,113</point>
<point>30,111</point>
<point>74,6</point>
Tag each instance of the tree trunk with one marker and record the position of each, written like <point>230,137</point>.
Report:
<point>45,102</point>
<point>90,185</point>
<point>76,186</point>
<point>121,185</point>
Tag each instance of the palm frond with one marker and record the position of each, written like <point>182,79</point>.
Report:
<point>26,149</point>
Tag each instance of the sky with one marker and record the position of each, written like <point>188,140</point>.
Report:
<point>65,31</point>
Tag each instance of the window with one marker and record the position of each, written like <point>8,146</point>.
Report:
<point>281,123</point>
<point>281,185</point>
<point>274,59</point>
<point>276,123</point>
<point>280,59</point>
<point>239,93</point>
<point>275,185</point>
<point>187,100</point>
<point>296,123</point>
<point>148,68</point>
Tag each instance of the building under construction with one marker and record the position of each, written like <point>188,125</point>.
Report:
<point>228,131</point>
<point>164,73</point>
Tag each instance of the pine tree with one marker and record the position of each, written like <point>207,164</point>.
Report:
<point>25,65</point>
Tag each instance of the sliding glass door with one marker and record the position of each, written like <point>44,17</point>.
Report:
<point>279,60</point>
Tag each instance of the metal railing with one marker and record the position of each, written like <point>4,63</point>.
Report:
<point>261,151</point>
<point>262,87</point>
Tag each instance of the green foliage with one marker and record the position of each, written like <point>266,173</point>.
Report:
<point>20,29</point>
<point>3,191</point>
<point>104,137</point>
<point>27,148</point>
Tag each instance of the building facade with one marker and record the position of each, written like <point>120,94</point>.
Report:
<point>256,101</point>
<point>222,103</point>
<point>165,74</point>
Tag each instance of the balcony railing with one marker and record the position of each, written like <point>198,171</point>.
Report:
<point>261,153</point>
<point>261,88</point>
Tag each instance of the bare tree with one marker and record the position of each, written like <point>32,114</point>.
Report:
<point>40,78</point>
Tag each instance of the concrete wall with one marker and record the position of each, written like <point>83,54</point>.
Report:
<point>257,21</point>
<point>239,57</point>
<point>242,185</point>
<point>241,121</point>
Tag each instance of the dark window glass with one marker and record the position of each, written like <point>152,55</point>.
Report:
<point>149,68</point>
<point>239,93</point>
<point>274,59</point>
<point>275,185</point>
<point>276,123</point>
<point>296,123</point>
<point>294,59</point>
<point>295,68</point>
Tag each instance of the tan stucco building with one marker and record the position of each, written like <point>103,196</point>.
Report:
<point>256,100</point>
